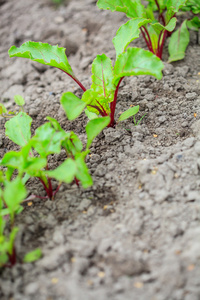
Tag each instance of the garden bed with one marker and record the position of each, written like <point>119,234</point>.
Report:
<point>135,233</point>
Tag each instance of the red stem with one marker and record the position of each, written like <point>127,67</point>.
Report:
<point>76,80</point>
<point>113,105</point>
<point>46,188</point>
<point>148,42</point>
<point>99,110</point>
<point>13,257</point>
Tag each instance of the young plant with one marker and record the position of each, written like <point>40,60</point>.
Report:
<point>101,98</point>
<point>12,194</point>
<point>32,159</point>
<point>154,30</point>
<point>19,100</point>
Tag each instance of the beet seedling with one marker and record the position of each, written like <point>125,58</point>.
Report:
<point>154,31</point>
<point>19,100</point>
<point>48,139</point>
<point>101,98</point>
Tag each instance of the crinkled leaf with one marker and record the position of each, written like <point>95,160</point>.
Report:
<point>178,43</point>
<point>194,24</point>
<point>47,141</point>
<point>19,100</point>
<point>65,172</point>
<point>3,110</point>
<point>43,53</point>
<point>33,255</point>
<point>18,129</point>
<point>94,127</point>
<point>129,113</point>
<point>136,61</point>
<point>127,33</point>
<point>72,105</point>
<point>132,8</point>
<point>82,173</point>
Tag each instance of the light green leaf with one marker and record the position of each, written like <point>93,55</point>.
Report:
<point>194,24</point>
<point>136,61</point>
<point>47,141</point>
<point>178,43</point>
<point>82,173</point>
<point>65,172</point>
<point>102,75</point>
<point>72,144</point>
<point>43,53</point>
<point>127,33</point>
<point>18,129</point>
<point>33,255</point>
<point>169,27</point>
<point>129,113</point>
<point>94,127</point>
<point>19,100</point>
<point>72,105</point>
<point>96,103</point>
<point>14,194</point>
<point>132,8</point>
<point>90,114</point>
<point>3,110</point>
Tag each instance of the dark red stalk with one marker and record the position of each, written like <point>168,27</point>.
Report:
<point>76,181</point>
<point>113,105</point>
<point>148,42</point>
<point>162,44</point>
<point>13,257</point>
<point>76,80</point>
<point>46,188</point>
<point>99,110</point>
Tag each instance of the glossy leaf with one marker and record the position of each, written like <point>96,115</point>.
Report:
<point>127,33</point>
<point>65,172</point>
<point>136,61</point>
<point>132,8</point>
<point>178,43</point>
<point>169,27</point>
<point>72,105</point>
<point>43,53</point>
<point>94,127</point>
<point>129,113</point>
<point>18,129</point>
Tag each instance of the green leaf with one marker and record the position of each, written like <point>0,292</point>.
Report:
<point>102,75</point>
<point>3,110</point>
<point>132,8</point>
<point>33,255</point>
<point>55,124</point>
<point>43,53</point>
<point>72,105</point>
<point>136,61</point>
<point>94,127</point>
<point>178,43</point>
<point>18,129</point>
<point>65,172</point>
<point>175,5</point>
<point>72,144</point>
<point>96,103</point>
<point>14,194</point>
<point>90,114</point>
<point>129,113</point>
<point>19,100</point>
<point>47,141</point>
<point>127,33</point>
<point>82,173</point>
<point>169,27</point>
<point>194,24</point>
